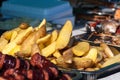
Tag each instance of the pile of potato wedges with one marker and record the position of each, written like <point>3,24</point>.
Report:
<point>58,46</point>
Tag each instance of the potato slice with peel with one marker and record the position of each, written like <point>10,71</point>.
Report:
<point>64,35</point>
<point>61,62</point>
<point>41,32</point>
<point>92,54</point>
<point>35,49</point>
<point>81,48</point>
<point>43,39</point>
<point>107,50</point>
<point>48,51</point>
<point>68,55</point>
<point>26,45</point>
<point>82,62</point>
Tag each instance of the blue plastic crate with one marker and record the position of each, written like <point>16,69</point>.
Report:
<point>49,9</point>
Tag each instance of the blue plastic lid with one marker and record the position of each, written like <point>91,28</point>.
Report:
<point>38,3</point>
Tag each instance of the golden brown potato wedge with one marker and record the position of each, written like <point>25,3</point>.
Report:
<point>22,35</point>
<point>48,51</point>
<point>64,35</point>
<point>43,39</point>
<point>10,46</point>
<point>81,48</point>
<point>61,62</point>
<point>13,35</point>
<point>57,54</point>
<point>26,46</point>
<point>41,46</point>
<point>40,32</point>
<point>3,43</point>
<point>54,36</point>
<point>92,54</point>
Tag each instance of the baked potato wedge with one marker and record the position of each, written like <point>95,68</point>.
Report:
<point>57,54</point>
<point>26,45</point>
<point>64,35</point>
<point>81,48</point>
<point>107,50</point>
<point>3,43</point>
<point>44,39</point>
<point>82,62</point>
<point>61,62</point>
<point>111,60</point>
<point>9,47</point>
<point>68,55</point>
<point>92,54</point>
<point>49,50</point>
<point>35,49</point>
<point>22,35</point>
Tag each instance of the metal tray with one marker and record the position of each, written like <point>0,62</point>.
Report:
<point>93,75</point>
<point>91,39</point>
<point>97,74</point>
